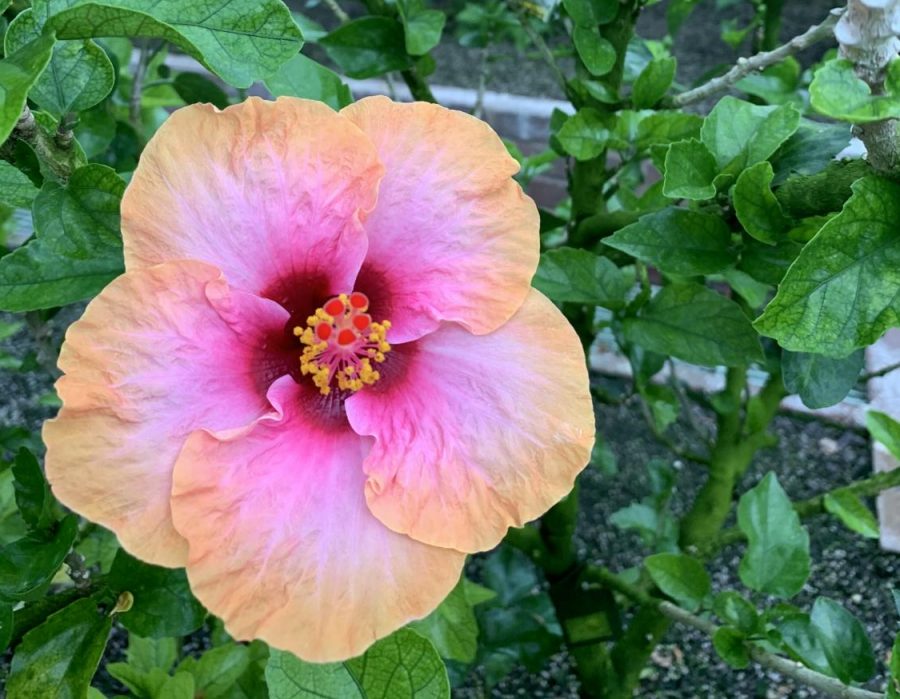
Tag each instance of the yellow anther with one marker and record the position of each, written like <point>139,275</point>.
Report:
<point>337,361</point>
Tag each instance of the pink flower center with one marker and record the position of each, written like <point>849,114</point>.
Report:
<point>342,344</point>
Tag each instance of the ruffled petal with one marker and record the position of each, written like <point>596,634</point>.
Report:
<point>269,192</point>
<point>152,359</point>
<point>452,236</point>
<point>478,433</point>
<point>282,545</point>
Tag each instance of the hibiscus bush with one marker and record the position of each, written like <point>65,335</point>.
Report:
<point>326,376</point>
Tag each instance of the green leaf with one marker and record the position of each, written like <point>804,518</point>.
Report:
<point>596,52</point>
<point>163,603</point>
<point>841,292</point>
<point>239,40</point>
<point>820,381</point>
<point>756,207</point>
<point>697,325</point>
<point>775,84</point>
<point>402,666</point>
<point>736,611</point>
<point>32,492</point>
<point>689,171</point>
<point>99,547</point>
<point>6,625</point>
<point>802,643</point>
<point>18,72</point>
<point>837,92</point>
<point>893,689</point>
<point>768,264</point>
<point>663,404</point>
<point>95,130</point>
<point>79,75</point>
<point>777,557</point>
<point>16,190</point>
<point>740,134</point>
<point>753,292</point>
<point>681,577</point>
<point>584,135</point>
<point>194,87</point>
<point>59,657</point>
<point>852,511</point>
<point>884,429</point>
<point>677,241</point>
<point>452,627</point>
<point>663,128</point>
<point>145,654</point>
<point>422,27</point>
<point>729,644</point>
<point>581,276</point>
<point>844,641</point>
<point>590,12</point>
<point>77,247</point>
<point>303,77</point>
<point>653,82</point>
<point>367,47</point>
<point>218,670</point>
<point>810,150</point>
<point>603,458</point>
<point>29,563</point>
<point>154,683</point>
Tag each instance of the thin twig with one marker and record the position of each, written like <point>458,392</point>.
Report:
<point>668,442</point>
<point>745,66</point>
<point>544,50</point>
<point>828,686</point>
<point>338,11</point>
<point>58,157</point>
<point>686,406</point>
<point>137,86</point>
<point>483,72</point>
<point>878,373</point>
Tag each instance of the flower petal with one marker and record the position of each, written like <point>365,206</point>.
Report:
<point>282,546</point>
<point>479,433</point>
<point>452,237</point>
<point>151,360</point>
<point>269,192</point>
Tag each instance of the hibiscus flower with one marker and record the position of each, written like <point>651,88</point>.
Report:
<point>323,378</point>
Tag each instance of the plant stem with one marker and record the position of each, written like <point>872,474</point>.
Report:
<point>827,685</point>
<point>771,26</point>
<point>713,502</point>
<point>54,151</point>
<point>483,72</point>
<point>137,86</point>
<point>878,373</point>
<point>544,51</point>
<point>867,37</point>
<point>745,66</point>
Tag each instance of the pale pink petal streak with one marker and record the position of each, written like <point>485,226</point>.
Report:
<point>452,236</point>
<point>282,545</point>
<point>478,433</point>
<point>270,192</point>
<point>151,360</point>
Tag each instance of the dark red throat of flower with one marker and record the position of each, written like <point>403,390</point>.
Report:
<point>342,346</point>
